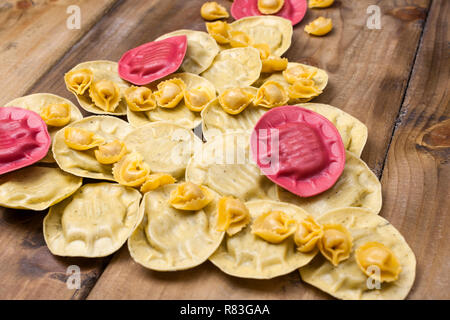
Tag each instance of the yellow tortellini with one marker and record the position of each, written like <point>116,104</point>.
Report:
<point>274,226</point>
<point>239,39</point>
<point>140,98</point>
<point>196,99</point>
<point>336,243</point>
<point>308,234</point>
<point>304,89</point>
<point>235,100</point>
<point>213,11</point>
<point>319,27</point>
<point>105,94</point>
<point>78,81</point>
<point>264,50</point>
<point>110,152</point>
<point>274,64</point>
<point>189,196</point>
<point>320,3</point>
<point>81,139</point>
<point>220,31</point>
<point>375,254</point>
<point>156,180</point>
<point>56,114</point>
<point>297,72</point>
<point>170,93</point>
<point>270,6</point>
<point>131,170</point>
<point>271,94</point>
<point>233,215</point>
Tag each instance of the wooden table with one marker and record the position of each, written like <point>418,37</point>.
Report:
<point>394,79</point>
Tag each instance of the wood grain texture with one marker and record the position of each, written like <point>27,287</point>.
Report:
<point>416,179</point>
<point>34,35</point>
<point>368,69</point>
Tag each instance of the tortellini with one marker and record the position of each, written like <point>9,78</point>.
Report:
<point>140,98</point>
<point>235,100</point>
<point>110,152</point>
<point>56,114</point>
<point>308,234</point>
<point>170,93</point>
<point>81,139</point>
<point>336,243</point>
<point>169,239</point>
<point>297,71</point>
<point>246,255</point>
<point>239,39</point>
<point>320,3</point>
<point>78,81</point>
<point>36,187</point>
<point>264,50</point>
<point>131,170</point>
<point>94,222</point>
<point>375,242</point>
<point>304,89</point>
<point>271,94</point>
<point>270,6</point>
<point>274,64</point>
<point>156,180</point>
<point>233,215</point>
<point>375,254</point>
<point>98,87</point>
<point>274,226</point>
<point>189,196</point>
<point>220,31</point>
<point>319,27</point>
<point>196,99</point>
<point>213,11</point>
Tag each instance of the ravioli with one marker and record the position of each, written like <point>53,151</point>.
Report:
<point>165,147</point>
<point>275,31</point>
<point>106,88</point>
<point>224,164</point>
<point>84,163</point>
<point>38,102</point>
<point>36,187</point>
<point>94,222</point>
<point>347,280</point>
<point>181,114</point>
<point>246,255</point>
<point>216,122</point>
<point>237,67</point>
<point>169,239</point>
<point>201,50</point>
<point>358,186</point>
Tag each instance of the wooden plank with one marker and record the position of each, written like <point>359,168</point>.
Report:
<point>34,35</point>
<point>416,180</point>
<point>369,70</point>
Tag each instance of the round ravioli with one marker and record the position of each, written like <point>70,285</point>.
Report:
<point>84,163</point>
<point>353,132</point>
<point>224,164</point>
<point>358,186</point>
<point>201,50</point>
<point>274,31</point>
<point>238,67</point>
<point>169,239</point>
<point>36,187</point>
<point>106,86</point>
<point>347,280</point>
<point>95,222</point>
<point>165,147</point>
<point>180,114</point>
<point>38,102</point>
<point>246,255</point>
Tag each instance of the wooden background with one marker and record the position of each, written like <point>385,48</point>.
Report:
<point>394,79</point>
